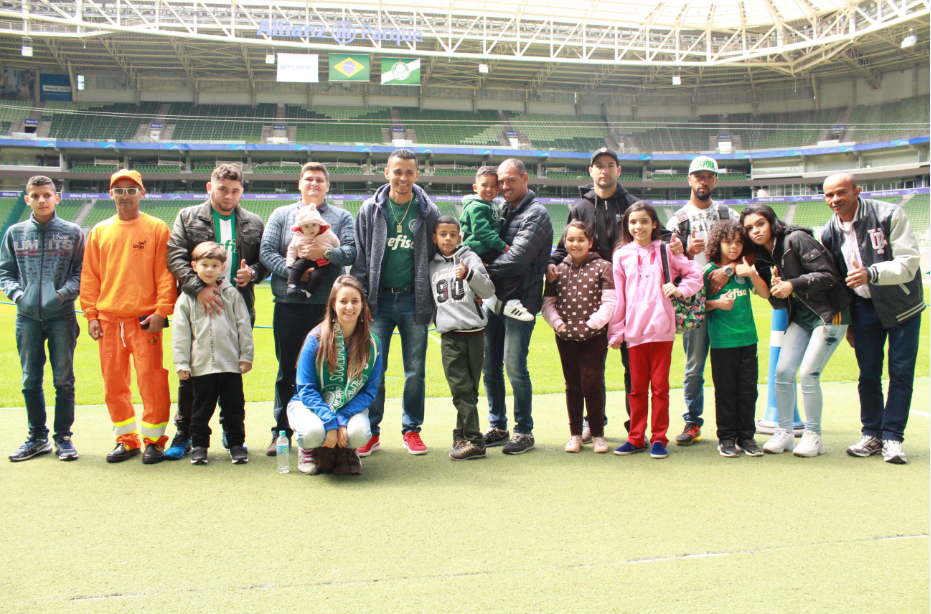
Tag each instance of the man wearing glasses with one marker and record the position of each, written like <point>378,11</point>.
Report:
<point>127,293</point>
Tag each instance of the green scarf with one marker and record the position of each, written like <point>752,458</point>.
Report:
<point>336,388</point>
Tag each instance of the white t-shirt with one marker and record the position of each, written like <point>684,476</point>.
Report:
<point>850,248</point>
<point>701,221</point>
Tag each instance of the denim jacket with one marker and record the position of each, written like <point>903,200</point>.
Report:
<point>39,263</point>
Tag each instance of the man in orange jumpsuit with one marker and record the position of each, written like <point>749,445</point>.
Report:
<point>127,293</point>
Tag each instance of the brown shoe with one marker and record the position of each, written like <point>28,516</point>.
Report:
<point>600,445</point>
<point>272,449</point>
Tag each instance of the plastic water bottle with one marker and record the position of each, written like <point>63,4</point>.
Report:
<point>284,453</point>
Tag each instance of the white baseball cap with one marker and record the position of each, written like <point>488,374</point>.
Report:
<point>704,163</point>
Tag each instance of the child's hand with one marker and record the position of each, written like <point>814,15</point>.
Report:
<point>330,440</point>
<point>616,343</point>
<point>725,303</point>
<point>245,367</point>
<point>671,290</point>
<point>182,374</point>
<point>561,328</point>
<point>506,249</point>
<point>462,270</point>
<point>745,270</point>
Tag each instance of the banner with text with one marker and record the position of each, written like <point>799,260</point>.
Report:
<point>54,87</point>
<point>298,68</point>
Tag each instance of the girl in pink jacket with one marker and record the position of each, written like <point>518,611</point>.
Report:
<point>645,319</point>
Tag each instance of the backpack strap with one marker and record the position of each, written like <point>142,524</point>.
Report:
<point>724,212</point>
<point>683,227</point>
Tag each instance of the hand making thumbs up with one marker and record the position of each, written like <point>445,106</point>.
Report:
<point>244,274</point>
<point>745,270</point>
<point>857,276</point>
<point>696,245</point>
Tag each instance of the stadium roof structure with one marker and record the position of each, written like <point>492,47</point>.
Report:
<point>588,46</point>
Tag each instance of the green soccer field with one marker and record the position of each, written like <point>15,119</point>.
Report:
<point>543,360</point>
<point>542,532</point>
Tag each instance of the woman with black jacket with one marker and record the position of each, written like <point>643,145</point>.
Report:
<point>806,283</point>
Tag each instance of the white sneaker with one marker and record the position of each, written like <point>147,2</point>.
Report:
<point>514,309</point>
<point>867,446</point>
<point>781,441</point>
<point>810,445</point>
<point>306,463</point>
<point>893,452</point>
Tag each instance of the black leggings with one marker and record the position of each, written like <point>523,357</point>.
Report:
<point>316,276</point>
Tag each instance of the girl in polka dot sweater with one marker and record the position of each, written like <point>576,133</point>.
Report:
<point>578,305</point>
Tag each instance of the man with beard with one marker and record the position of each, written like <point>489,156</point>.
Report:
<point>692,223</point>
<point>602,207</point>
<point>220,219</point>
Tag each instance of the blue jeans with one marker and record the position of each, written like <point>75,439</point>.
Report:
<point>61,333</point>
<point>888,420</point>
<point>397,311</point>
<point>507,342</point>
<point>695,344</point>
<point>805,352</point>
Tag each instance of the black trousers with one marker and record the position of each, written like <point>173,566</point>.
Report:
<point>506,288</point>
<point>208,389</point>
<point>186,400</point>
<point>291,323</point>
<point>316,276</point>
<point>735,372</point>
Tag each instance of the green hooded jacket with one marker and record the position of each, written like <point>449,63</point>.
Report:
<point>481,225</point>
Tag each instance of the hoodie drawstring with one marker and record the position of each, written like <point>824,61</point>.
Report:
<point>122,338</point>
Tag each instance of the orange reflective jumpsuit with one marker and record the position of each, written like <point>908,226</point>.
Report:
<point>126,276</point>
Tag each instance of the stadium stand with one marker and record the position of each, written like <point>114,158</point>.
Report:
<point>6,208</point>
<point>13,111</point>
<point>584,133</point>
<point>451,127</point>
<point>94,122</point>
<point>94,168</point>
<point>220,122</point>
<point>339,125</point>
<point>875,122</point>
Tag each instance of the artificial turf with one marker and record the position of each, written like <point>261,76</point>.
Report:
<point>542,532</point>
<point>542,361</point>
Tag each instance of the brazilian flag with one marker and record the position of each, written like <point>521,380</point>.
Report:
<point>345,67</point>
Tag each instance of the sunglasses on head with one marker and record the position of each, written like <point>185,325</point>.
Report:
<point>126,191</point>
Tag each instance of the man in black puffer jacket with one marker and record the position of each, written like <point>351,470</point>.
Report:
<point>528,230</point>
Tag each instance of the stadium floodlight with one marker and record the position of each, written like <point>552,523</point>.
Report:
<point>483,69</point>
<point>909,40</point>
<point>270,58</point>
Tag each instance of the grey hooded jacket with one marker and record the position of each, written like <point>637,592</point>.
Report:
<point>203,344</point>
<point>39,263</point>
<point>372,238</point>
<point>456,309</point>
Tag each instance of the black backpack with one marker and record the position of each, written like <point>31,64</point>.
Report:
<point>684,227</point>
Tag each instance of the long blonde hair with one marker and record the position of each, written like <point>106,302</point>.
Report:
<point>358,342</point>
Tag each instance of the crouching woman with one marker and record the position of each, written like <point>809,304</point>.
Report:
<point>337,378</point>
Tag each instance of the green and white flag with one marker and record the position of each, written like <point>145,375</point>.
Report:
<point>397,71</point>
<point>345,67</point>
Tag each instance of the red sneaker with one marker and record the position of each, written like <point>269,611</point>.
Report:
<point>414,444</point>
<point>373,445</point>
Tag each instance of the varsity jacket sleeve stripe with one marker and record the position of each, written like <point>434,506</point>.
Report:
<point>902,268</point>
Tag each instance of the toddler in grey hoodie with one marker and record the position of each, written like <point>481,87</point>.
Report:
<point>457,277</point>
